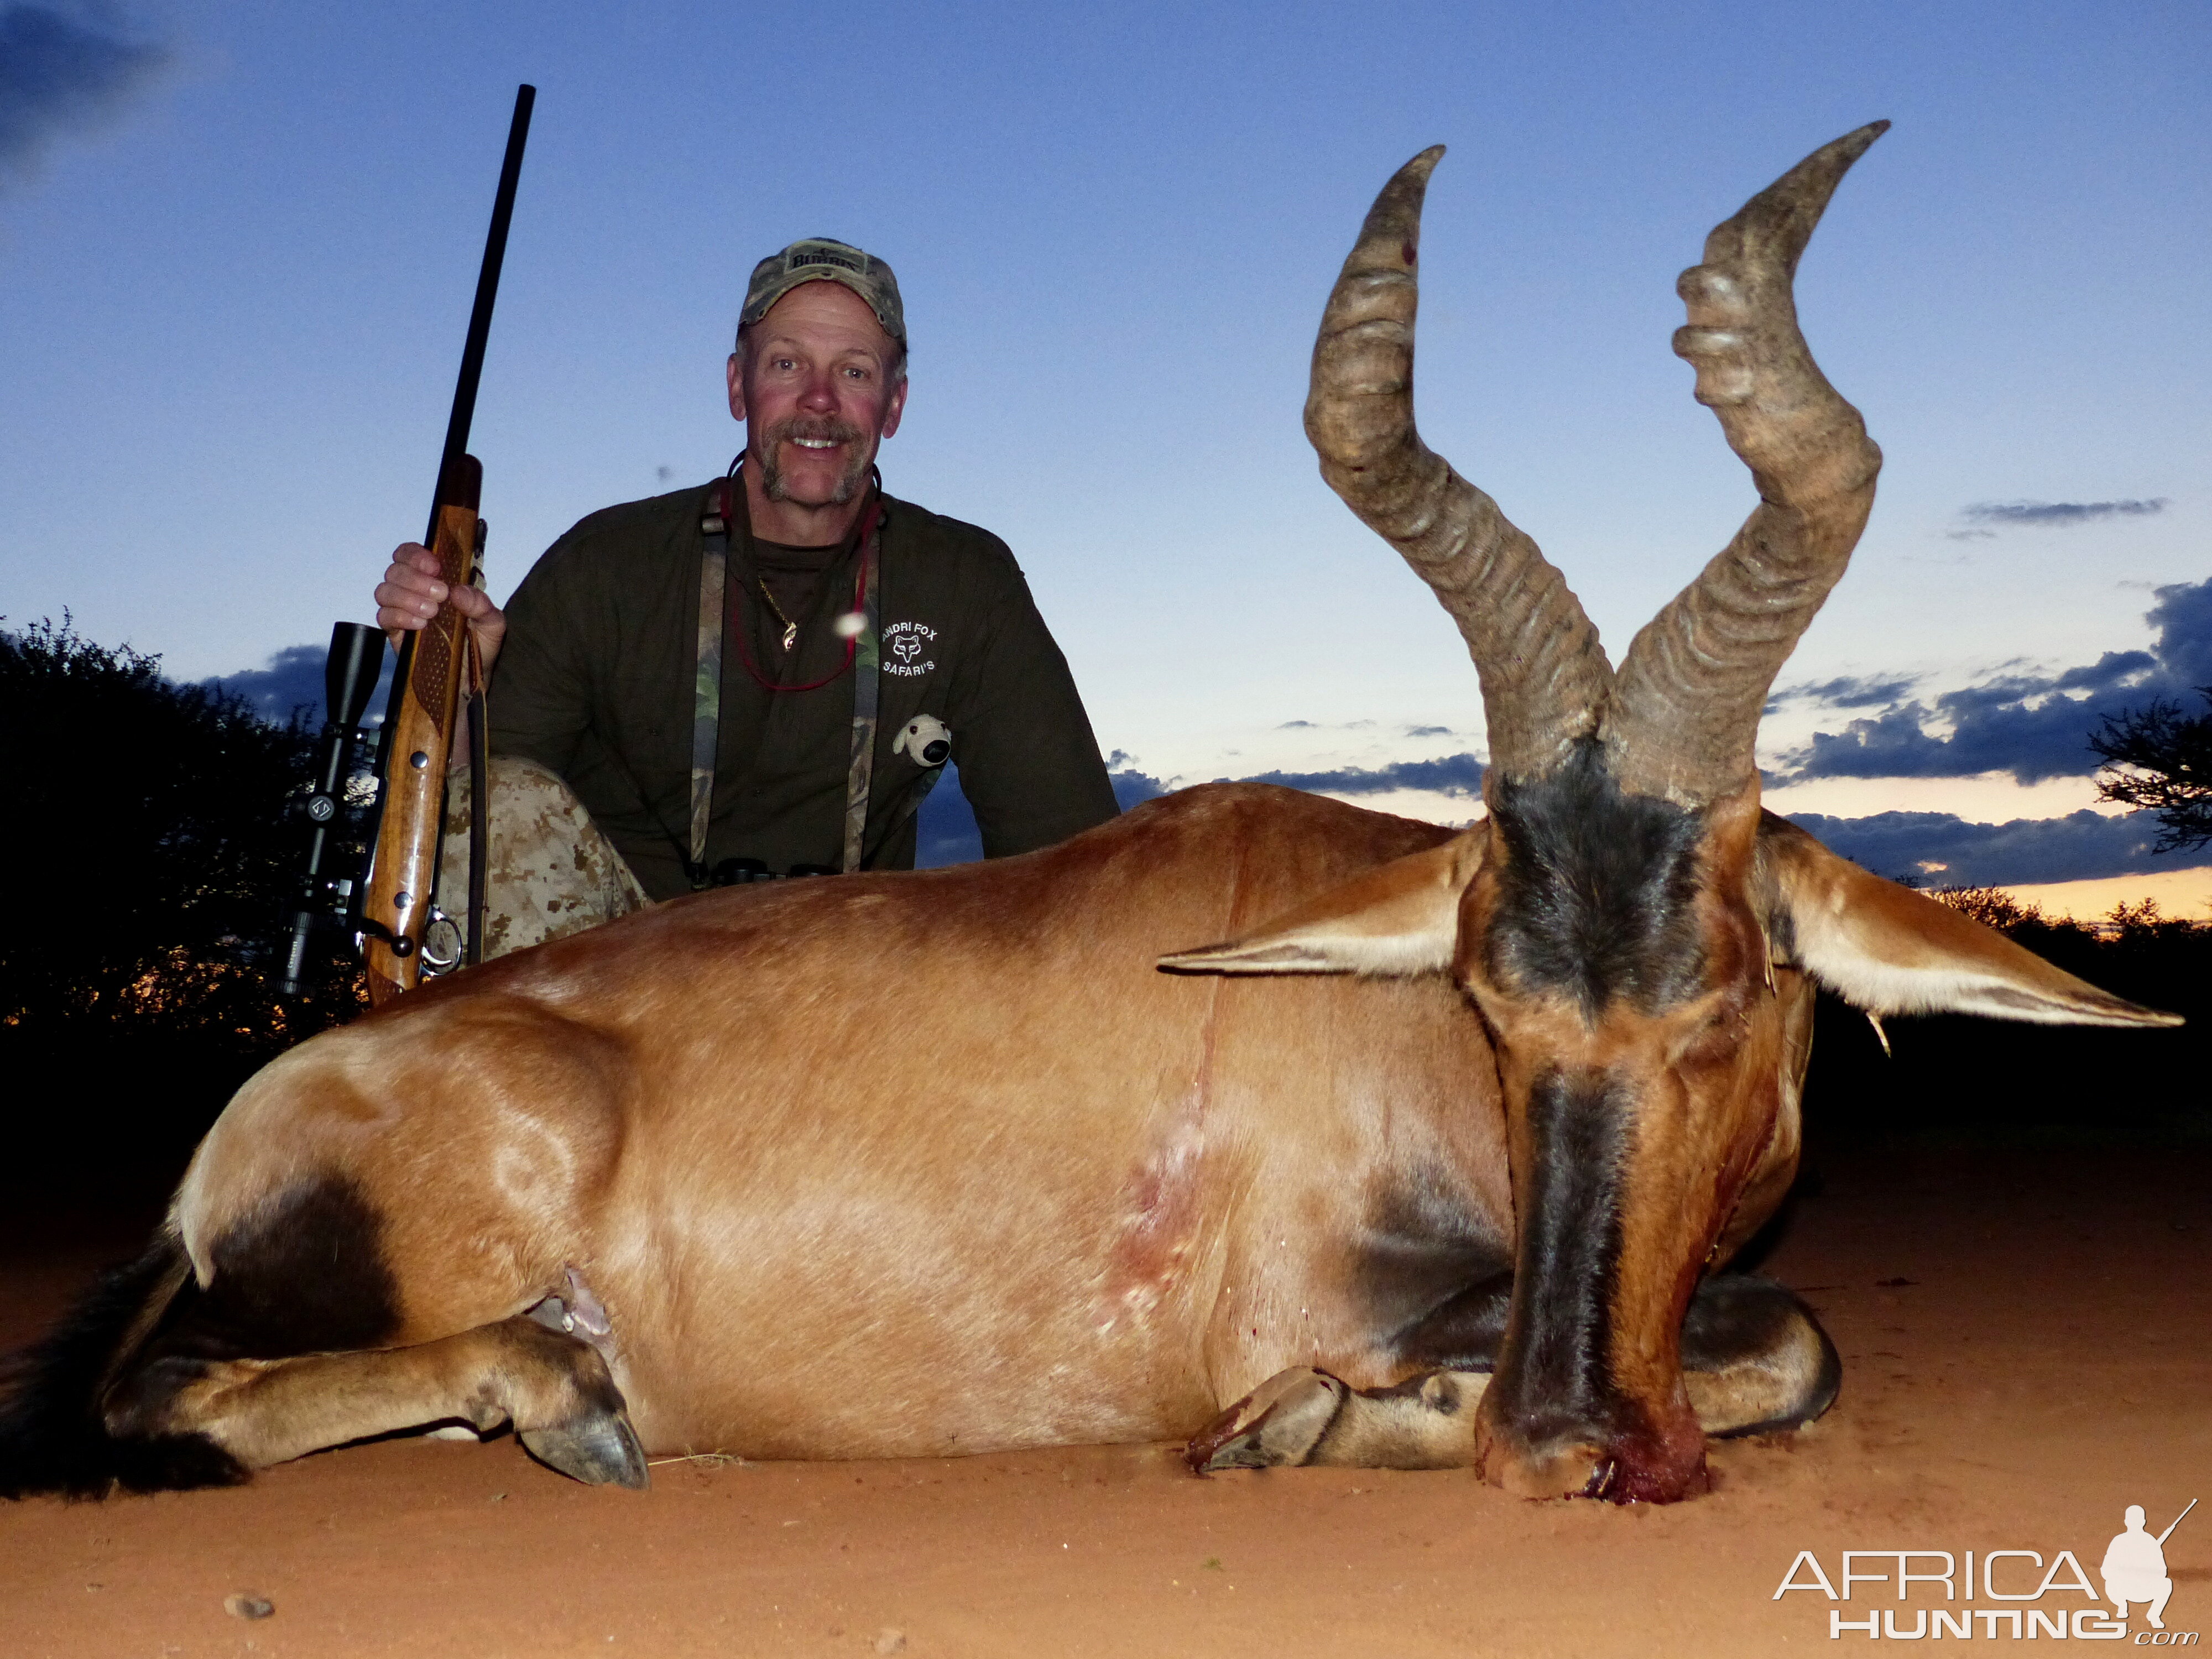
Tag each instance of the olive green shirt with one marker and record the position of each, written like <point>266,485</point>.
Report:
<point>595,681</point>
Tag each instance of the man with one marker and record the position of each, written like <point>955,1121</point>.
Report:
<point>603,651</point>
<point>2134,1568</point>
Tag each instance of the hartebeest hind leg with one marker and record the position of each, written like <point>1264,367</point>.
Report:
<point>1754,1359</point>
<point>554,1388</point>
<point>290,1334</point>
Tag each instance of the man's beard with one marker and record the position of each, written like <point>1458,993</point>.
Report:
<point>841,432</point>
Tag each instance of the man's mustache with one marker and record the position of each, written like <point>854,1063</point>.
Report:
<point>815,429</point>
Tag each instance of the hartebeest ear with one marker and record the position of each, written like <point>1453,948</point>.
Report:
<point>1398,919</point>
<point>1891,950</point>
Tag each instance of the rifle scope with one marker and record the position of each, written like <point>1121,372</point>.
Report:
<point>349,677</point>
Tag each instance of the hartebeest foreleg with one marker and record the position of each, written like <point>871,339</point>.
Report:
<point>1754,1359</point>
<point>553,1387</point>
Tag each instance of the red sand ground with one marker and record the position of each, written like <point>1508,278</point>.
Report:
<point>2039,1358</point>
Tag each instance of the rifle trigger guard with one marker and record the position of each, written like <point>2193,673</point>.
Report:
<point>441,961</point>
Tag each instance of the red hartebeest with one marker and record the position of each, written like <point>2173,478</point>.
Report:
<point>1435,1162</point>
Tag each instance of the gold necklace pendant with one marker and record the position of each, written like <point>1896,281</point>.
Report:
<point>790,627</point>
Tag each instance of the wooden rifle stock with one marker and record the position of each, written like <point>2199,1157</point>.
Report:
<point>425,688</point>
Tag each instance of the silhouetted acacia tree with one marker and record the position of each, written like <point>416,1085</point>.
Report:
<point>2158,759</point>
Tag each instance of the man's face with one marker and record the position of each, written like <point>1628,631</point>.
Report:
<point>814,389</point>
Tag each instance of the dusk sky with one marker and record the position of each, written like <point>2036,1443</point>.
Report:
<point>238,243</point>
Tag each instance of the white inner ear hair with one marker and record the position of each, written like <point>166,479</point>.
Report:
<point>1941,982</point>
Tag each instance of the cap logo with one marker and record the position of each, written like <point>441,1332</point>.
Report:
<point>817,256</point>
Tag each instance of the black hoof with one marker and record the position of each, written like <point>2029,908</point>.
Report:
<point>1275,1426</point>
<point>599,1450</point>
<point>1240,1451</point>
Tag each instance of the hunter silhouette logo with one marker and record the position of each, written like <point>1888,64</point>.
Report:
<point>2133,1569</point>
<point>2135,1566</point>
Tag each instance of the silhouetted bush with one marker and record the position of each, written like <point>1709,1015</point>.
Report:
<point>1955,1078</point>
<point>151,845</point>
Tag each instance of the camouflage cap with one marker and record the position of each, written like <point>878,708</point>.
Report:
<point>819,259</point>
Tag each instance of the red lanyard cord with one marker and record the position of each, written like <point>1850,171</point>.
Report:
<point>859,579</point>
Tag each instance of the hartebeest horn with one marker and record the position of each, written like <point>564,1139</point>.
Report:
<point>1685,710</point>
<point>1543,673</point>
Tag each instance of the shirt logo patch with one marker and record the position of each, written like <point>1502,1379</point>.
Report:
<point>910,647</point>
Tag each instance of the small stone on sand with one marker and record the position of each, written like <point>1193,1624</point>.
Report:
<point>243,1606</point>
<point>891,1641</point>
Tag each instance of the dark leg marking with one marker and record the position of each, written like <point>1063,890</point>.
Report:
<point>1755,1358</point>
<point>303,1274</point>
<point>1465,1333</point>
<point>1424,1244</point>
<point>51,1435</point>
<point>155,1382</point>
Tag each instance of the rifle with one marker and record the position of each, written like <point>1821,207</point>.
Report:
<point>394,911</point>
<point>2178,1520</point>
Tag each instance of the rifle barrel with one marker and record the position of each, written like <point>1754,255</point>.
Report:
<point>2178,1520</point>
<point>472,354</point>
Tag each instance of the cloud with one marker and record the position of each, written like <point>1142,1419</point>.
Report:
<point>2034,726</point>
<point>60,74</point>
<point>1938,849</point>
<point>1131,786</point>
<point>2056,515</point>
<point>294,680</point>
<point>1858,691</point>
<point>2183,617</point>
<point>1452,775</point>
<point>1935,849</point>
